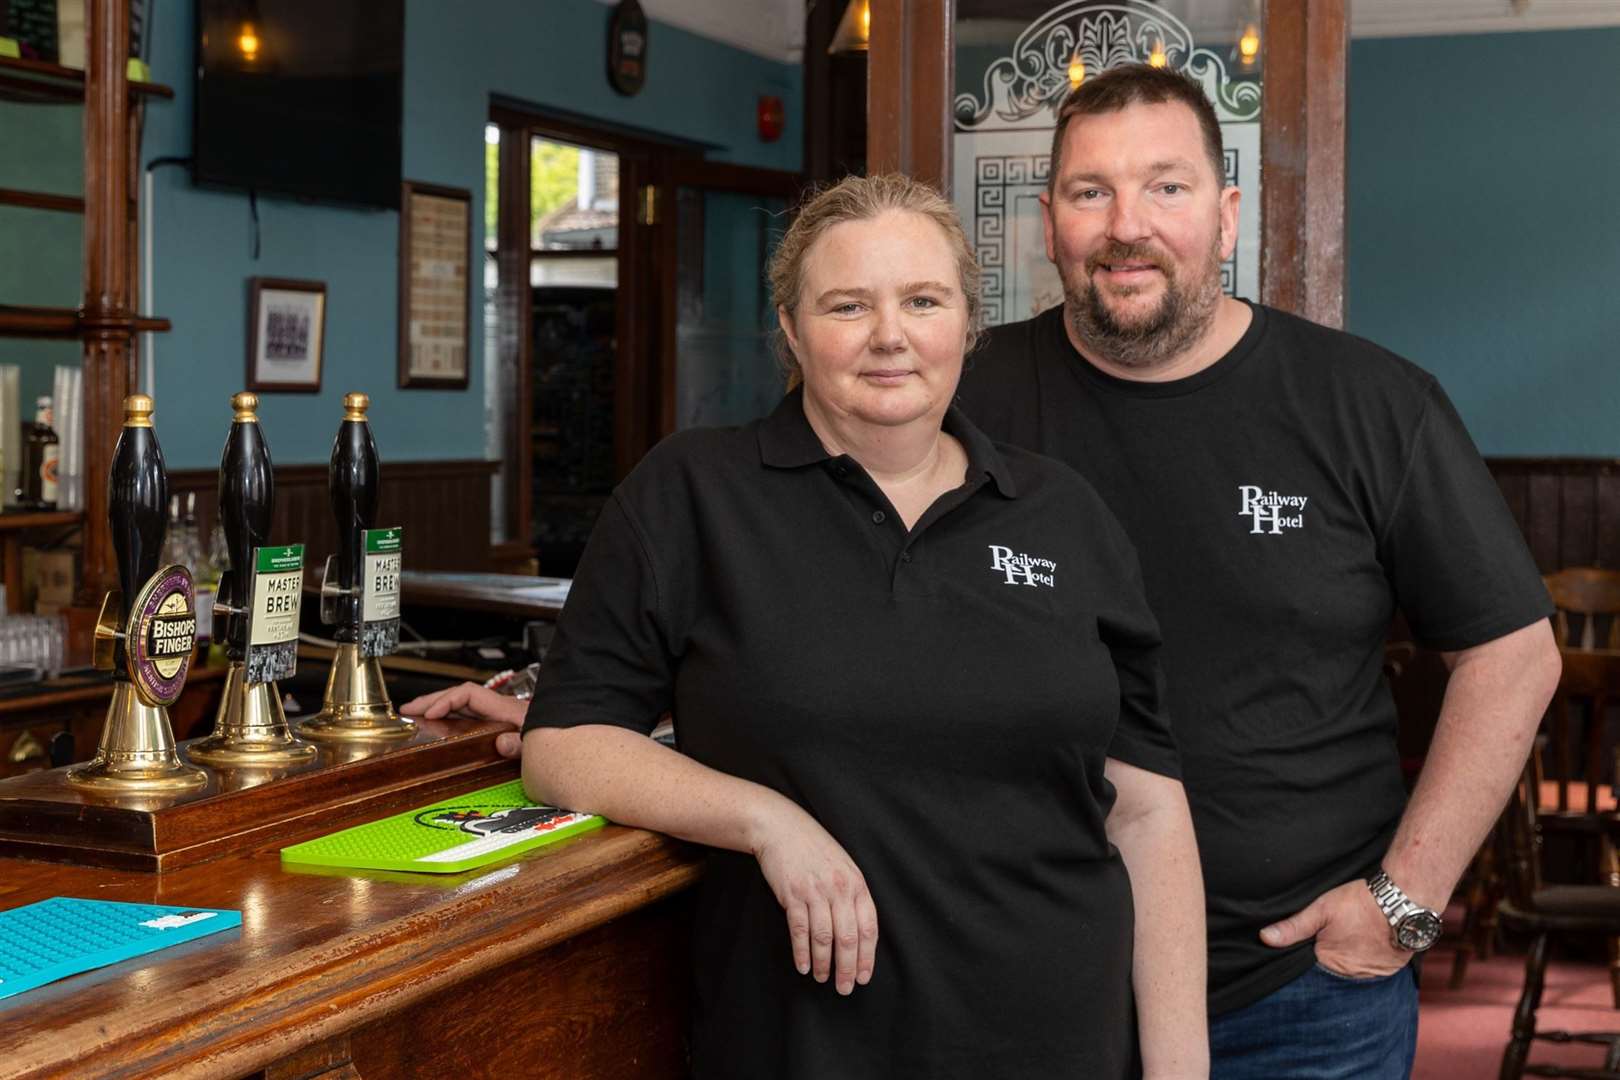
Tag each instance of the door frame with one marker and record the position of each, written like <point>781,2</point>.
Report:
<point>636,421</point>
<point>675,173</point>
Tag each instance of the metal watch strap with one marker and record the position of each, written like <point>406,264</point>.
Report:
<point>1391,900</point>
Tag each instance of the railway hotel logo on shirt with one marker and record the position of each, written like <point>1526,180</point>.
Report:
<point>1269,512</point>
<point>1022,569</point>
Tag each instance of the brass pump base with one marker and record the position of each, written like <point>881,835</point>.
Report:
<point>356,707</point>
<point>137,752</point>
<point>250,727</point>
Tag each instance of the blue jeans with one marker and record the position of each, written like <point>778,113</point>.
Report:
<point>1321,1026</point>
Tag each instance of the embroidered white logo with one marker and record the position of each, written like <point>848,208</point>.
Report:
<point>1270,512</point>
<point>1022,569</point>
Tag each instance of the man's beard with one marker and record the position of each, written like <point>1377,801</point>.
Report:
<point>1183,314</point>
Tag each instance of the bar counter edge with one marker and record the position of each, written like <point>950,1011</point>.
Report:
<point>569,961</point>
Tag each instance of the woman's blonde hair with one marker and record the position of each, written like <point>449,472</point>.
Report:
<point>861,198</point>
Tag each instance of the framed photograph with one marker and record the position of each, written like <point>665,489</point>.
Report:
<point>435,285</point>
<point>286,334</point>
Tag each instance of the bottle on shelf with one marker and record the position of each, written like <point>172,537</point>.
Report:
<point>37,482</point>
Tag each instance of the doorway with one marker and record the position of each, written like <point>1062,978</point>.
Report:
<point>624,299</point>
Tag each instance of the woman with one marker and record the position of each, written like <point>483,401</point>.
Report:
<point>914,685</point>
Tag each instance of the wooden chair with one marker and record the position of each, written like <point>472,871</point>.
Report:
<point>1592,595</point>
<point>1544,911</point>
<point>1587,626</point>
<point>1574,800</point>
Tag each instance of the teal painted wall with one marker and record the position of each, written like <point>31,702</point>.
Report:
<point>1484,227</point>
<point>456,56</point>
<point>1483,242</point>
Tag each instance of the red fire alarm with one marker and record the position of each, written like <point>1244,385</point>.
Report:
<point>771,117</point>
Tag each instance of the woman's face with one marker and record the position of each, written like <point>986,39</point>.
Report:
<point>881,322</point>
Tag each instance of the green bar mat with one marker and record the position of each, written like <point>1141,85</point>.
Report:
<point>448,837</point>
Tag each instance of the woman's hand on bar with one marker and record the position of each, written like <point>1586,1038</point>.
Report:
<point>439,712</point>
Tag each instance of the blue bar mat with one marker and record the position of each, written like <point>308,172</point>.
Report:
<point>62,936</point>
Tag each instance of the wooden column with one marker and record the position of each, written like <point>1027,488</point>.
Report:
<point>910,81</point>
<point>106,321</point>
<point>1302,144</point>
<point>512,299</point>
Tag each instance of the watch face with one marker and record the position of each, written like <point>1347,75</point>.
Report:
<point>1418,931</point>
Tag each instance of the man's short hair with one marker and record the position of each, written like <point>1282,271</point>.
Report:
<point>1138,84</point>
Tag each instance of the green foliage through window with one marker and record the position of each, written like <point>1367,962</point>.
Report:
<point>553,177</point>
<point>553,181</point>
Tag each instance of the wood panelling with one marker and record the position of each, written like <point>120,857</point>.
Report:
<point>443,505</point>
<point>610,1004</point>
<point>1568,508</point>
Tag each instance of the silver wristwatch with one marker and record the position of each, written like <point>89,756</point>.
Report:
<point>1412,926</point>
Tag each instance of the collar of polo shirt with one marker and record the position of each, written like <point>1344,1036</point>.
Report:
<point>787,441</point>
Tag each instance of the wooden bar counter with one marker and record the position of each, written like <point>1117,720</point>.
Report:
<point>569,961</point>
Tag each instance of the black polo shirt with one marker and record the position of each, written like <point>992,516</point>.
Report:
<point>942,701</point>
<point>1285,500</point>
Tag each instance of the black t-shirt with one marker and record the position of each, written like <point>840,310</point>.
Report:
<point>1285,501</point>
<point>942,702</point>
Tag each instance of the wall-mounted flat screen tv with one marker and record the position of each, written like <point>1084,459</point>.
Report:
<point>300,97</point>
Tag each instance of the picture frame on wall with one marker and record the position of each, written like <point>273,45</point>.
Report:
<point>435,286</point>
<point>286,334</point>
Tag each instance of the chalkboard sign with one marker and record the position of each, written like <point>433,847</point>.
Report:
<point>33,24</point>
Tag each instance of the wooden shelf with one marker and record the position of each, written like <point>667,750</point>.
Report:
<point>15,520</point>
<point>39,79</point>
<point>39,322</point>
<point>49,322</point>
<point>39,200</point>
<point>90,686</point>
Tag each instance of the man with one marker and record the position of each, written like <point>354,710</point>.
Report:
<point>1288,487</point>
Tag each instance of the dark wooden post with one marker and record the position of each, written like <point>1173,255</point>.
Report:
<point>910,79</point>
<point>512,298</point>
<point>1302,155</point>
<point>106,321</point>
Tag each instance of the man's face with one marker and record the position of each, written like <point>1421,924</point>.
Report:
<point>1138,223</point>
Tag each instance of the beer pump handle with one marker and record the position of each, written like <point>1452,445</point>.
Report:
<point>137,492</point>
<point>352,485</point>
<point>247,492</point>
